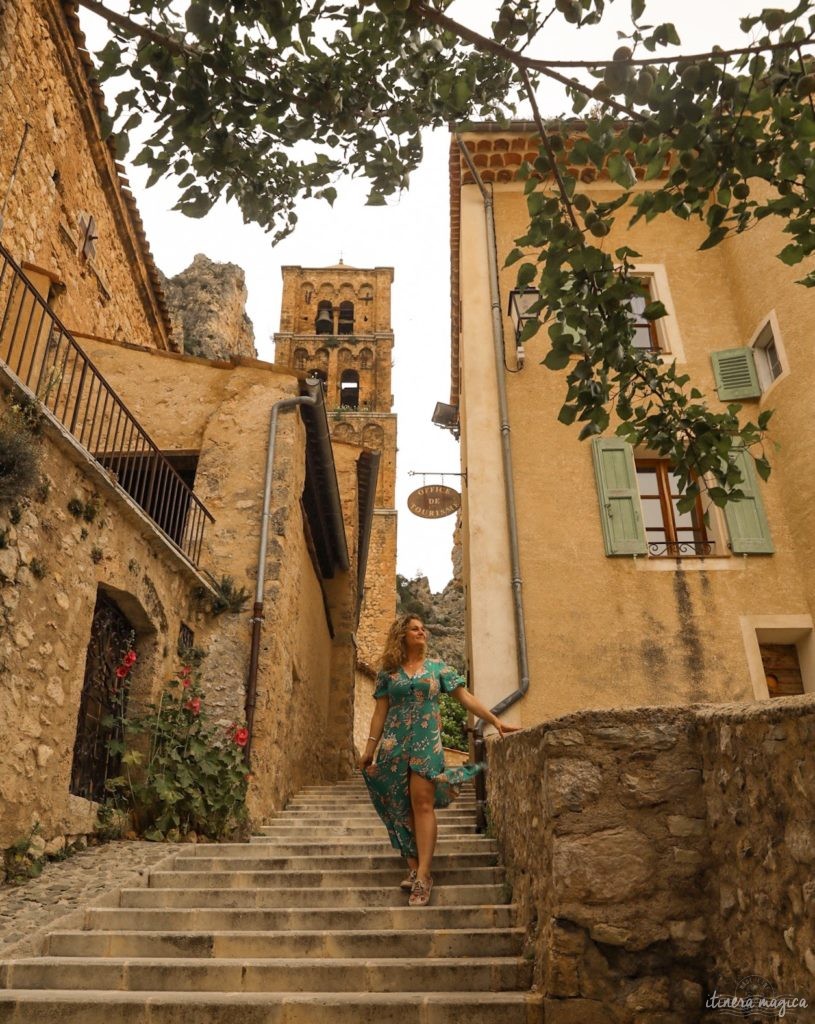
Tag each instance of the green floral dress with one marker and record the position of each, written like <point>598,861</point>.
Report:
<point>411,740</point>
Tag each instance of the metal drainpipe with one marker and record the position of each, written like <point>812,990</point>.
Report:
<point>509,488</point>
<point>257,611</point>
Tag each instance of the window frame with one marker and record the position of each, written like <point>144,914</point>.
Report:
<point>654,278</point>
<point>766,379</point>
<point>701,534</point>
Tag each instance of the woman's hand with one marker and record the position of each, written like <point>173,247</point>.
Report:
<point>504,728</point>
<point>366,760</point>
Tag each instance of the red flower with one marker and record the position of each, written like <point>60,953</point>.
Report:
<point>186,683</point>
<point>194,705</point>
<point>184,670</point>
<point>242,736</point>
<point>122,671</point>
<point>129,659</point>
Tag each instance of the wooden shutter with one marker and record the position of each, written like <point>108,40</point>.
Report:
<point>746,519</point>
<point>620,510</point>
<point>735,373</point>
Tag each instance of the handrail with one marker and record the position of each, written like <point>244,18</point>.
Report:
<point>44,359</point>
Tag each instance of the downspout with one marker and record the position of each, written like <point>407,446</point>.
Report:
<point>257,611</point>
<point>509,488</point>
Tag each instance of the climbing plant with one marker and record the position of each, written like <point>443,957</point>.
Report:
<point>269,102</point>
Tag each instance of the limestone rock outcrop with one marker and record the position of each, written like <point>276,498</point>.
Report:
<point>207,305</point>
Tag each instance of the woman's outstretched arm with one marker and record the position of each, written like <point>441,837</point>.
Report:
<point>374,731</point>
<point>471,703</point>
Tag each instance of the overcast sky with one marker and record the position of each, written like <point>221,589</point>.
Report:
<point>410,234</point>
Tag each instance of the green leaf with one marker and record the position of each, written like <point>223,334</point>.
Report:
<point>197,18</point>
<point>526,274</point>
<point>556,359</point>
<point>791,254</point>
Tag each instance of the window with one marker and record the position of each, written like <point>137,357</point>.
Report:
<point>349,389</point>
<point>645,331</point>
<point>346,321</point>
<point>767,356</point>
<point>669,532</point>
<point>300,358</point>
<point>638,513</point>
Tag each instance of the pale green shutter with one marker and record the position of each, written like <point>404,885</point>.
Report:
<point>746,519</point>
<point>620,515</point>
<point>735,373</point>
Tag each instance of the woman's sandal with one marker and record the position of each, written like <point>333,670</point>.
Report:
<point>407,883</point>
<point>420,893</point>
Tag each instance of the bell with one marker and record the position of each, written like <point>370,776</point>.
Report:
<point>325,322</point>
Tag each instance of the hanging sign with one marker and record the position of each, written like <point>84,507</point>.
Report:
<point>434,501</point>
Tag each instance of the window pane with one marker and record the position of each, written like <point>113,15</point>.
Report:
<point>652,514</point>
<point>647,482</point>
<point>642,336</point>
<point>772,359</point>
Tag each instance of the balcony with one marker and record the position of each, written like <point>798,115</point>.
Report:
<point>42,357</point>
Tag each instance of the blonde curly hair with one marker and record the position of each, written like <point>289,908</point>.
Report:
<point>395,650</point>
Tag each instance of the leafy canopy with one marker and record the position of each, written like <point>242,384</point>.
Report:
<point>266,102</point>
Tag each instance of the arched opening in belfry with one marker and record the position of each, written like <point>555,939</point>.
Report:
<point>300,358</point>
<point>324,322</point>
<point>315,371</point>
<point>349,389</point>
<point>346,319</point>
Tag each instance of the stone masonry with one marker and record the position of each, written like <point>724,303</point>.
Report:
<point>660,855</point>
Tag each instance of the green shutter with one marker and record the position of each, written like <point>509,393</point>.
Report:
<point>735,373</point>
<point>620,515</point>
<point>746,519</point>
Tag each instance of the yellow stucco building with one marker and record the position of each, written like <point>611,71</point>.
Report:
<point>585,587</point>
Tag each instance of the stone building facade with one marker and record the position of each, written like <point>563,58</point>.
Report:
<point>727,617</point>
<point>150,487</point>
<point>336,322</point>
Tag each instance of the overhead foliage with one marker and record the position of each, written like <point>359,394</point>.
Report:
<point>269,101</point>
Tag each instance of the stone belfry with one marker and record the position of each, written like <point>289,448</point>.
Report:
<point>336,321</point>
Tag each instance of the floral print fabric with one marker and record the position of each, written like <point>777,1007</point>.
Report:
<point>411,741</point>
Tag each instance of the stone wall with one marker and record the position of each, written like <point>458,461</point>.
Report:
<point>51,568</point>
<point>66,174</point>
<point>660,855</point>
<point>207,306</point>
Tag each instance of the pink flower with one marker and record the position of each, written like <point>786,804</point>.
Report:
<point>242,736</point>
<point>186,683</point>
<point>184,670</point>
<point>122,671</point>
<point>129,659</point>
<point>194,705</point>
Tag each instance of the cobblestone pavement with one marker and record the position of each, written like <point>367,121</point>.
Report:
<point>66,888</point>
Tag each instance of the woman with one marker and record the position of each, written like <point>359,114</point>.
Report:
<point>409,779</point>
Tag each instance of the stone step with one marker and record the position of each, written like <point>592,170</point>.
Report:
<point>318,879</point>
<point>411,941</point>
<point>326,831</point>
<point>339,844</point>
<point>403,974</point>
<point>312,897</point>
<point>446,815</point>
<point>300,918</point>
<point>265,858</point>
<point>80,1007</point>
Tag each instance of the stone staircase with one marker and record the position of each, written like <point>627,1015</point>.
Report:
<point>303,925</point>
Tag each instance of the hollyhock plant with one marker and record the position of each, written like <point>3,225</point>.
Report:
<point>180,772</point>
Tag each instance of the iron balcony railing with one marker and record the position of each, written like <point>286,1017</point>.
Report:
<point>44,358</point>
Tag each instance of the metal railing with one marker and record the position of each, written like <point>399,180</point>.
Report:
<point>43,357</point>
<point>680,548</point>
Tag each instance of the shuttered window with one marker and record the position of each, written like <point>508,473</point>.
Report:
<point>746,519</point>
<point>734,370</point>
<point>620,516</point>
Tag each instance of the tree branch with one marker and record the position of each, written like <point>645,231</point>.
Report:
<point>543,64</point>
<point>132,28</point>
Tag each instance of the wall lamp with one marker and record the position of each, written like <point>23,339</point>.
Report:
<point>446,417</point>
<point>520,303</point>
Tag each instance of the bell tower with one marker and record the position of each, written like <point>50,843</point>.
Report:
<point>336,322</point>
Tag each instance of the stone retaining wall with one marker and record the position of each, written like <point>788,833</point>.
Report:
<point>659,855</point>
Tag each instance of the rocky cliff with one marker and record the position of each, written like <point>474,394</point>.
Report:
<point>207,305</point>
